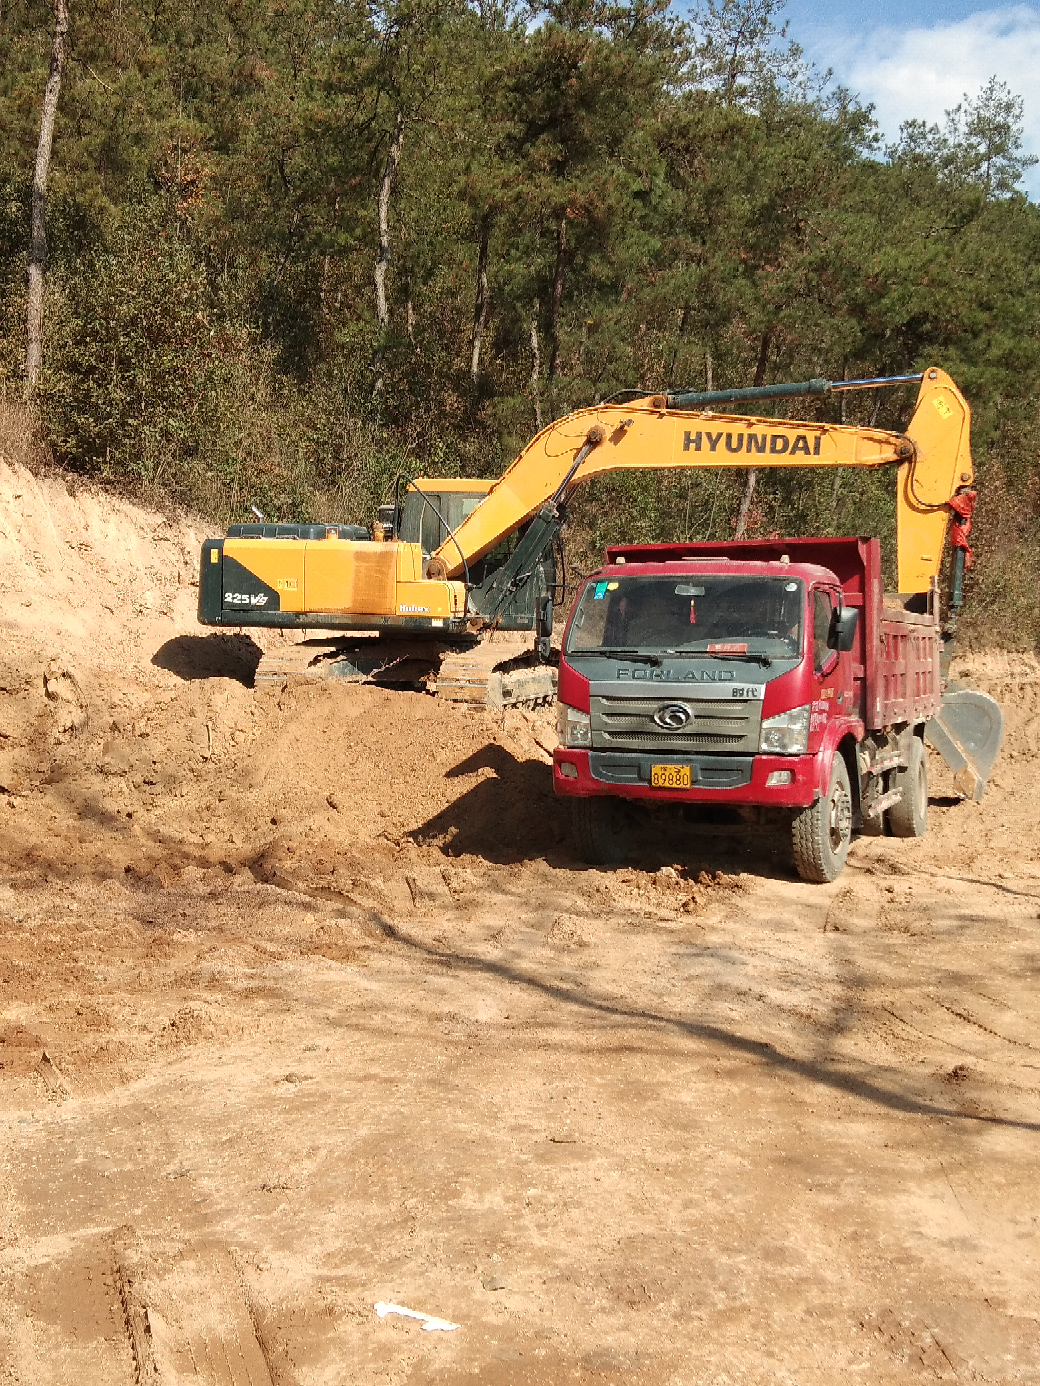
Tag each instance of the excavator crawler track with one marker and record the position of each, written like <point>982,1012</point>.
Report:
<point>304,660</point>
<point>393,662</point>
<point>489,673</point>
<point>487,677</point>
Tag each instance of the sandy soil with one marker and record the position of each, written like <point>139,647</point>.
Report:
<point>306,1004</point>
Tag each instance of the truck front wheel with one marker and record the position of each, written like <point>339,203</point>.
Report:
<point>909,818</point>
<point>821,833</point>
<point>602,830</point>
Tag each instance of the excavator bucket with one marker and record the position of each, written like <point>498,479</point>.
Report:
<point>966,732</point>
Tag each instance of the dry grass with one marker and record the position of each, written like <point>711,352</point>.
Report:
<point>1000,607</point>
<point>19,438</point>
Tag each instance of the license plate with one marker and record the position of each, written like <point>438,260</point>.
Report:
<point>670,776</point>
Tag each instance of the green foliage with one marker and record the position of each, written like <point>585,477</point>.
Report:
<point>590,195</point>
<point>139,354</point>
<point>980,144</point>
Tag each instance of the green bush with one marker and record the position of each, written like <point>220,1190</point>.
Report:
<point>138,353</point>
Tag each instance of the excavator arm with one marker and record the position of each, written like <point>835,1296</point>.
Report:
<point>649,432</point>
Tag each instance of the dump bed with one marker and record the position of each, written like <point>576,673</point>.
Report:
<point>895,659</point>
<point>906,686</point>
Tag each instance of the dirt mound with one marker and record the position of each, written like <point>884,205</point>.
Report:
<point>89,575</point>
<point>117,703</point>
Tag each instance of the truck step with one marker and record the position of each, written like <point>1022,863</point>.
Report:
<point>877,808</point>
<point>889,762</point>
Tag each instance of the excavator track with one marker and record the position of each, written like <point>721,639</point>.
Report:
<point>307,659</point>
<point>487,677</point>
<point>404,662</point>
<point>491,673</point>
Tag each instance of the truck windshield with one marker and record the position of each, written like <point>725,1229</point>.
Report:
<point>712,615</point>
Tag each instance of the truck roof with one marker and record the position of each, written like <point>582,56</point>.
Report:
<point>854,561</point>
<point>808,550</point>
<point>744,567</point>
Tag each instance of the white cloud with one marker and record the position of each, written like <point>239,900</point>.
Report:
<point>923,72</point>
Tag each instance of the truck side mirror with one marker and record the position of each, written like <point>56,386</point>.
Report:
<point>842,634</point>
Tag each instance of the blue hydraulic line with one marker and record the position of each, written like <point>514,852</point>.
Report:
<point>692,399</point>
<point>875,381</point>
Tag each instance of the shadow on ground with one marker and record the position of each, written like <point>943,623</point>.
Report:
<point>508,816</point>
<point>513,815</point>
<point>210,657</point>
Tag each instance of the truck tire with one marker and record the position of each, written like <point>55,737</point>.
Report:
<point>909,818</point>
<point>602,831</point>
<point>821,833</point>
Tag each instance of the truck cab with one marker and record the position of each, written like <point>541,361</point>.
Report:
<point>741,674</point>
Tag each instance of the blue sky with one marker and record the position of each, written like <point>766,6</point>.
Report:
<point>920,61</point>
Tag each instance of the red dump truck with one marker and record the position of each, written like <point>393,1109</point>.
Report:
<point>772,678</point>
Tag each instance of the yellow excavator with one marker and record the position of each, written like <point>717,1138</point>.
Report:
<point>451,561</point>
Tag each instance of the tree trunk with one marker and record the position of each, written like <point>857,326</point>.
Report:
<point>708,373</point>
<point>844,415</point>
<point>386,183</point>
<point>480,306</point>
<point>680,334</point>
<point>557,294</point>
<point>38,241</point>
<point>752,475</point>
<point>536,368</point>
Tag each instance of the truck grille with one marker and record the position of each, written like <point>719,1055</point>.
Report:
<point>628,724</point>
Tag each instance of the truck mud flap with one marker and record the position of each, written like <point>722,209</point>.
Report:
<point>967,732</point>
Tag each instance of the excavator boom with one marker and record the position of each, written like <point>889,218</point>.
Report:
<point>652,432</point>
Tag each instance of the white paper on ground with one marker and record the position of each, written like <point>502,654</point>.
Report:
<point>429,1323</point>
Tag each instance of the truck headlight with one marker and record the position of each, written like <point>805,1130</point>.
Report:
<point>787,733</point>
<point>573,728</point>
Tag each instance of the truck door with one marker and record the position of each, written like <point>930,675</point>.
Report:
<point>833,691</point>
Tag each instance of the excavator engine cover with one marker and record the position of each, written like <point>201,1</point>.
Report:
<point>967,732</point>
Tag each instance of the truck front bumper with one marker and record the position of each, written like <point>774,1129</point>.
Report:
<point>715,779</point>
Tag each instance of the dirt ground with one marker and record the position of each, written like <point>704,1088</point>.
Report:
<point>306,1005</point>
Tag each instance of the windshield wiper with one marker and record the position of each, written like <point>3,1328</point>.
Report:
<point>619,652</point>
<point>763,659</point>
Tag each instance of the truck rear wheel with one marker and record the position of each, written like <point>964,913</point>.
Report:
<point>821,833</point>
<point>602,830</point>
<point>909,818</point>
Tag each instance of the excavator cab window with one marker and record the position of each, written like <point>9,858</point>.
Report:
<point>427,516</point>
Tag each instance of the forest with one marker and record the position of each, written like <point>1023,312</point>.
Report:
<point>296,248</point>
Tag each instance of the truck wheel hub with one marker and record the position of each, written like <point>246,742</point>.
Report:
<point>840,817</point>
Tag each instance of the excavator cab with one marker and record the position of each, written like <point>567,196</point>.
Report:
<point>431,510</point>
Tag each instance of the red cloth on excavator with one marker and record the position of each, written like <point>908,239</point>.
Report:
<point>962,507</point>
